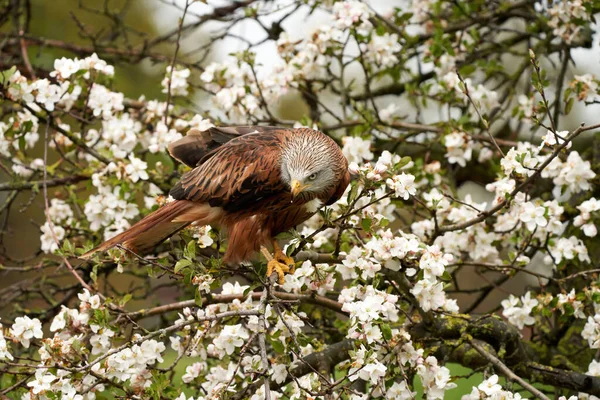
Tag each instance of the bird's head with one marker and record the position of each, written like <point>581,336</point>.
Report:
<point>308,165</point>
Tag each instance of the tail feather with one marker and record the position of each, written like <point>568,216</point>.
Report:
<point>156,227</point>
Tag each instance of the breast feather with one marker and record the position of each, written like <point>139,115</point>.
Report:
<point>313,205</point>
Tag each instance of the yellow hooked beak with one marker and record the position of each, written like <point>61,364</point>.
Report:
<point>297,188</point>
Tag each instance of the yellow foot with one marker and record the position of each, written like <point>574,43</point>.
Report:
<point>275,266</point>
<point>279,262</point>
<point>282,258</point>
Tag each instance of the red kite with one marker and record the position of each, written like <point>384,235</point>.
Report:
<point>253,182</point>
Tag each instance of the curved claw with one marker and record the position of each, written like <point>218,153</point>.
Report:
<point>279,262</point>
<point>287,261</point>
<point>279,267</point>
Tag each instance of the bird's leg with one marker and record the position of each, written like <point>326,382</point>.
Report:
<point>278,267</point>
<point>274,266</point>
<point>283,258</point>
<point>279,263</point>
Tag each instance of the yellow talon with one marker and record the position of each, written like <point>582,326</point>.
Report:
<point>280,268</point>
<point>279,262</point>
<point>283,258</point>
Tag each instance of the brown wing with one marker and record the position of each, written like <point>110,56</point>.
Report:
<point>193,149</point>
<point>238,174</point>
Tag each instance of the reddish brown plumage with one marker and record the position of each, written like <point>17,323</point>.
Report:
<point>237,184</point>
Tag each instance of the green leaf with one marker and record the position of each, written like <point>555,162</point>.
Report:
<point>22,143</point>
<point>151,271</point>
<point>27,126</point>
<point>181,264</point>
<point>402,18</point>
<point>126,299</point>
<point>188,274</point>
<point>6,74</point>
<point>198,298</point>
<point>403,162</point>
<point>52,168</point>
<point>386,331</point>
<point>190,250</point>
<point>366,224</point>
<point>446,277</point>
<point>569,105</point>
<point>546,312</point>
<point>467,69</point>
<point>94,273</point>
<point>303,340</point>
<point>353,193</point>
<point>284,235</point>
<point>278,346</point>
<point>567,93</point>
<point>250,289</point>
<point>569,310</point>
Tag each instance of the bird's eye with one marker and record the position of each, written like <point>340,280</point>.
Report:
<point>312,177</point>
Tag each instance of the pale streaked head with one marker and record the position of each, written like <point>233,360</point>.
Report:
<point>309,164</point>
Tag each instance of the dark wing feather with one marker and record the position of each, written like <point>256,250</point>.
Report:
<point>238,174</point>
<point>195,148</point>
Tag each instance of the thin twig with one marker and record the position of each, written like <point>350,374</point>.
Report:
<point>506,371</point>
<point>309,298</point>
<point>261,338</point>
<point>163,331</point>
<point>47,210</point>
<point>486,214</point>
<point>25,55</point>
<point>177,44</point>
<point>485,123</point>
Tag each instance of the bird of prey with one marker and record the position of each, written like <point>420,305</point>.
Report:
<point>253,182</point>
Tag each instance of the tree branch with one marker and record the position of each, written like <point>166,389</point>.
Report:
<point>18,186</point>
<point>323,360</point>
<point>228,298</point>
<point>504,339</point>
<point>506,371</point>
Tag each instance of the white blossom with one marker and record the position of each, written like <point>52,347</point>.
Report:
<point>430,294</point>
<point>356,149</point>
<point>42,382</point>
<point>381,50</point>
<point>25,329</point>
<point>162,137</point>
<point>51,237</point>
<point>193,371</point>
<point>591,331</point>
<point>519,315</point>
<point>458,148</point>
<point>552,139</point>
<point>4,350</point>
<point>352,13</point>
<point>400,391</point>
<point>136,169</point>
<point>176,82</point>
<point>279,373</point>
<point>230,337</point>
<point>103,102</point>
<point>435,378</point>
<point>563,16</point>
<point>403,185</point>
